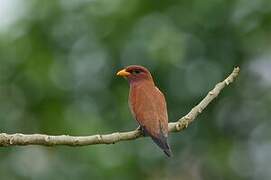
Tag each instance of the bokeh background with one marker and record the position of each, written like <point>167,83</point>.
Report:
<point>58,61</point>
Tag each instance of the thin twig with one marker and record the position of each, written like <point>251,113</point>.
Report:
<point>48,140</point>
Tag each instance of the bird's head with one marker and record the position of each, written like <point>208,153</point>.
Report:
<point>135,73</point>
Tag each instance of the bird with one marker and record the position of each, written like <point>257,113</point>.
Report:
<point>147,105</point>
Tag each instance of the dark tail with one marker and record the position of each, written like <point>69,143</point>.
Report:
<point>163,144</point>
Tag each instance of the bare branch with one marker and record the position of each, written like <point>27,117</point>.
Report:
<point>48,140</point>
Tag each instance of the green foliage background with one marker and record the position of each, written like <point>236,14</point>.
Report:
<point>58,61</point>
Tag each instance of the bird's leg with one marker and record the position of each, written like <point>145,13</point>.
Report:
<point>139,128</point>
<point>143,130</point>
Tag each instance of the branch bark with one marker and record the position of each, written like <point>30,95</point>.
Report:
<point>49,140</point>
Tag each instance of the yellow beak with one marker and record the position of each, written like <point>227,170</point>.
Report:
<point>123,73</point>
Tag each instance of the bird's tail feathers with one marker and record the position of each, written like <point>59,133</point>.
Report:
<point>163,144</point>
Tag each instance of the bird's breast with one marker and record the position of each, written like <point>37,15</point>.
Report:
<point>147,104</point>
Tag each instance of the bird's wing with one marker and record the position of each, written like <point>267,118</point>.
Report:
<point>163,110</point>
<point>148,106</point>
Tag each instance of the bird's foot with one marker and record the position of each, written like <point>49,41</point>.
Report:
<point>143,130</point>
<point>138,128</point>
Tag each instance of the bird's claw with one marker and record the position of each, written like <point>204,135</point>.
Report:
<point>142,130</point>
<point>138,128</point>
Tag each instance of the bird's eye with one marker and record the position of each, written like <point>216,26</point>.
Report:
<point>136,72</point>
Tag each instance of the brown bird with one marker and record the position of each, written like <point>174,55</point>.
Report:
<point>148,105</point>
